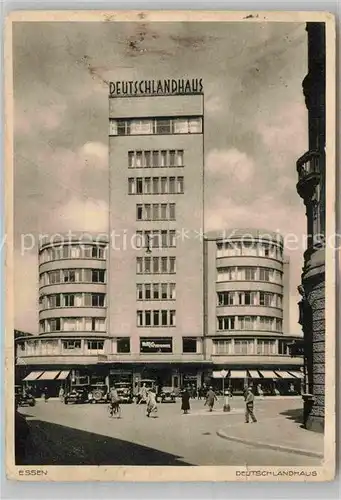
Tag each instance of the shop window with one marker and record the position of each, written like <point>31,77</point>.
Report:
<point>189,344</point>
<point>123,345</point>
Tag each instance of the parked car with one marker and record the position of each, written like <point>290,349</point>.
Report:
<point>125,392</point>
<point>98,393</point>
<point>167,394</point>
<point>23,398</point>
<point>78,394</point>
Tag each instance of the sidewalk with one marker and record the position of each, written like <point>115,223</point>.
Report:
<point>278,433</point>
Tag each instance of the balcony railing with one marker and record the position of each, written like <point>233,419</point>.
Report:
<point>308,164</point>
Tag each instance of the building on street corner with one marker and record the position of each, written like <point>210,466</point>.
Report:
<point>158,298</point>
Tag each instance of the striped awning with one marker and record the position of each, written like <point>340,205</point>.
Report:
<point>268,374</point>
<point>285,375</point>
<point>254,374</point>
<point>63,375</point>
<point>297,374</point>
<point>49,375</point>
<point>32,376</point>
<point>238,374</point>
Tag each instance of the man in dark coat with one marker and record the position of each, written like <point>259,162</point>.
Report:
<point>185,406</point>
<point>249,404</point>
<point>210,399</point>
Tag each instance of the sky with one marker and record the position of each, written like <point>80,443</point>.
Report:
<point>255,128</point>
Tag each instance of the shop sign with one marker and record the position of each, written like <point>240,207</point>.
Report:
<point>156,345</point>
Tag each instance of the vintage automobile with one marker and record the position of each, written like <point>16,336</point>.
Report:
<point>167,394</point>
<point>78,394</point>
<point>23,397</point>
<point>125,392</point>
<point>98,393</point>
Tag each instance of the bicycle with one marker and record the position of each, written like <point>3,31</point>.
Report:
<point>114,409</point>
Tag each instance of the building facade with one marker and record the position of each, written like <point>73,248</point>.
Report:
<point>311,188</point>
<point>157,298</point>
<point>247,310</point>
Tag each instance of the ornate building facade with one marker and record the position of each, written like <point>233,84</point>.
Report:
<point>311,188</point>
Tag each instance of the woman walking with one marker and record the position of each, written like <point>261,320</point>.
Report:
<point>185,406</point>
<point>151,402</point>
<point>210,399</point>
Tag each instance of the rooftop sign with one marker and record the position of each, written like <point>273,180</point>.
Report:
<point>155,87</point>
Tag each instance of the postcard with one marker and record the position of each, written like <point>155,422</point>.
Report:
<point>170,246</point>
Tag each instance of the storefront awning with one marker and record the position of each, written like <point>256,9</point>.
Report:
<point>285,375</point>
<point>50,375</point>
<point>238,374</point>
<point>217,375</point>
<point>32,376</point>
<point>63,375</point>
<point>254,374</point>
<point>297,374</point>
<point>268,374</point>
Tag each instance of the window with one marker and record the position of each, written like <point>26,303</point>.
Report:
<point>131,186</point>
<point>131,159</point>
<point>164,317</point>
<point>172,293</point>
<point>226,274</point>
<point>247,322</point>
<point>97,300</point>
<point>148,318</point>
<point>244,346</point>
<point>163,211</point>
<point>147,291</point>
<point>189,344</point>
<point>71,344</point>
<point>266,323</point>
<point>180,158</point>
<point>226,298</point>
<point>163,126</point>
<point>87,251</point>
<point>163,161</point>
<point>155,211</point>
<point>172,318</point>
<point>54,325</point>
<point>53,277</point>
<point>155,185</point>
<point>164,288</point>
<point>156,294</point>
<point>278,325</point>
<point>222,347</point>
<point>97,276</point>
<point>264,274</point>
<point>138,159</point>
<point>156,318</point>
<point>266,347</point>
<point>164,239</point>
<point>69,300</point>
<point>226,323</point>
<point>248,298</point>
<point>95,345</point>
<point>172,265</point>
<point>97,252</point>
<point>139,292</point>
<point>123,345</point>
<point>53,301</point>
<point>172,158</point>
<point>147,265</point>
<point>141,127</point>
<point>65,252</point>
<point>172,211</point>
<point>164,261</point>
<point>156,261</point>
<point>139,318</point>
<point>283,347</point>
<point>172,185</point>
<point>181,126</point>
<point>139,212</point>
<point>180,185</point>
<point>155,158</point>
<point>250,273</point>
<point>163,185</point>
<point>139,185</point>
<point>195,126</point>
<point>265,299</point>
<point>147,159</point>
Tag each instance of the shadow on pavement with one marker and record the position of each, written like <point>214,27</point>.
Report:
<point>52,444</point>
<point>296,415</point>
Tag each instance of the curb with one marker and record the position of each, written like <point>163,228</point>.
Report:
<point>270,446</point>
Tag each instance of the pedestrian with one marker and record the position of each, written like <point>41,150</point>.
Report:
<point>210,398</point>
<point>61,393</point>
<point>46,394</point>
<point>151,402</point>
<point>114,402</point>
<point>143,394</point>
<point>185,406</point>
<point>249,405</point>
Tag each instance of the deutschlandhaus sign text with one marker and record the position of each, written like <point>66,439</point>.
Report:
<point>155,87</point>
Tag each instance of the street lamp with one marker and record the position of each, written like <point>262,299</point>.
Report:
<point>223,374</point>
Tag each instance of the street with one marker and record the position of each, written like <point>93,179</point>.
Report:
<point>85,435</point>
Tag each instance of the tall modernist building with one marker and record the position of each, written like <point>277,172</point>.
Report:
<point>156,163</point>
<point>311,187</point>
<point>158,298</point>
